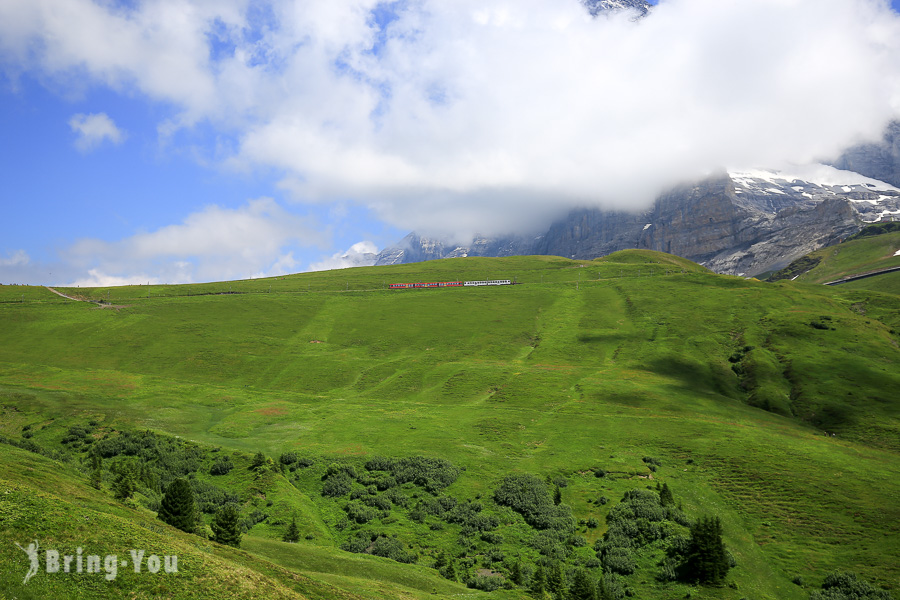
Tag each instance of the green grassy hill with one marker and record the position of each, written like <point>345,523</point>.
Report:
<point>587,367</point>
<point>872,249</point>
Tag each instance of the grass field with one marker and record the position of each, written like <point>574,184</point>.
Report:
<point>854,257</point>
<point>730,383</point>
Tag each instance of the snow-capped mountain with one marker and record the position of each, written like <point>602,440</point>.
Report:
<point>596,7</point>
<point>739,222</point>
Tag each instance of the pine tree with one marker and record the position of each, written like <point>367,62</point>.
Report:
<point>292,535</point>
<point>448,571</point>
<point>665,496</point>
<point>583,587</point>
<point>96,471</point>
<point>123,486</point>
<point>538,585</point>
<point>556,581</point>
<point>179,507</point>
<point>226,527</point>
<point>707,561</point>
<point>515,574</point>
<point>557,496</point>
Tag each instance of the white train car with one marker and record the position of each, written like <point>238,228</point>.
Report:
<point>489,282</point>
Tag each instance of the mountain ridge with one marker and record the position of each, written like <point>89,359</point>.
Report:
<point>739,223</point>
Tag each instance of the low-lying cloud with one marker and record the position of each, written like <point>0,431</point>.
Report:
<point>488,114</point>
<point>216,243</point>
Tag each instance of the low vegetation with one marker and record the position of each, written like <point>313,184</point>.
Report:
<point>633,426</point>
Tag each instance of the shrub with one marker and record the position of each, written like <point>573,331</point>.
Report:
<point>485,583</point>
<point>337,485</point>
<point>356,511</point>
<point>378,502</point>
<point>221,466</point>
<point>848,586</point>
<point>529,496</point>
<point>288,458</point>
<point>211,498</point>
<point>434,474</point>
<point>492,538</point>
<point>259,461</point>
<point>619,560</point>
<point>364,542</point>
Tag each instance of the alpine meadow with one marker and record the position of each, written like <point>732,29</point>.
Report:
<point>450,299</point>
<point>631,426</point>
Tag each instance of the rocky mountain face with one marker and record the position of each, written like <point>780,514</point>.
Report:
<point>878,161</point>
<point>737,223</point>
<point>596,7</point>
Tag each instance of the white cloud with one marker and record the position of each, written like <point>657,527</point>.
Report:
<point>213,244</point>
<point>487,114</point>
<point>96,278</point>
<point>92,130</point>
<point>19,258</point>
<point>360,254</point>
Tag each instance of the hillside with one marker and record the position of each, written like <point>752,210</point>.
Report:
<point>640,366</point>
<point>874,248</point>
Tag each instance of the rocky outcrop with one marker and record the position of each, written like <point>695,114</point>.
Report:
<point>878,161</point>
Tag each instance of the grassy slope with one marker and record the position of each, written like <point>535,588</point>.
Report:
<point>549,377</point>
<point>855,257</point>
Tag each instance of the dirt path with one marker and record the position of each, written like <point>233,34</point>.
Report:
<point>98,304</point>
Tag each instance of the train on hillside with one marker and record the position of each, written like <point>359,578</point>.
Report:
<point>440,284</point>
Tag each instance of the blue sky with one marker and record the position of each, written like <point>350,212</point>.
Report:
<point>174,141</point>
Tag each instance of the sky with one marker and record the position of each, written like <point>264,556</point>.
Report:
<point>176,141</point>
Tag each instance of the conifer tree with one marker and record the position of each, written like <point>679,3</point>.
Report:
<point>179,507</point>
<point>292,535</point>
<point>583,587</point>
<point>96,471</point>
<point>515,574</point>
<point>448,571</point>
<point>665,496</point>
<point>556,581</point>
<point>538,584</point>
<point>707,561</point>
<point>123,486</point>
<point>226,526</point>
<point>557,496</point>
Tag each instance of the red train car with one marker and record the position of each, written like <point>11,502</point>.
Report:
<point>434,284</point>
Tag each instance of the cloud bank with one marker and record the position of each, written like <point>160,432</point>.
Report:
<point>485,115</point>
<point>213,244</point>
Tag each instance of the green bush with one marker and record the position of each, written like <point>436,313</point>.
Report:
<point>359,512</point>
<point>338,484</point>
<point>485,583</point>
<point>529,496</point>
<point>221,466</point>
<point>288,458</point>
<point>848,586</point>
<point>434,474</point>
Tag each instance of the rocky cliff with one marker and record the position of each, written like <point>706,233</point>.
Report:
<point>738,223</point>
